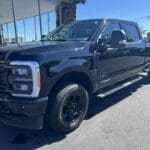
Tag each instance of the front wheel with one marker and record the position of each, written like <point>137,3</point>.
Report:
<point>68,107</point>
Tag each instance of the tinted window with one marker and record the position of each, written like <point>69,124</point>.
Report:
<point>107,33</point>
<point>131,31</point>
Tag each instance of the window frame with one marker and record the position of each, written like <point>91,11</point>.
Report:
<point>137,28</point>
<point>106,25</point>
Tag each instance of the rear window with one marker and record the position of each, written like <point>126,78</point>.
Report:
<point>131,31</point>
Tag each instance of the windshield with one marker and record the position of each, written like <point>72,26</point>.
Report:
<point>79,31</point>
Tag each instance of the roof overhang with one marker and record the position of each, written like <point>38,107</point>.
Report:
<point>25,8</point>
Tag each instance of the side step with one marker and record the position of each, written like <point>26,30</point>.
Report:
<point>126,84</point>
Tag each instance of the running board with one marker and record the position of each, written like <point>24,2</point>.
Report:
<point>102,95</point>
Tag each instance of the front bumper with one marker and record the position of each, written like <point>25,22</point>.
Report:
<point>23,113</point>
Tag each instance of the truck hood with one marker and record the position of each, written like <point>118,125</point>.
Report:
<point>39,48</point>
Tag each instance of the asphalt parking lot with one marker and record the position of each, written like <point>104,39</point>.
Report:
<point>119,122</point>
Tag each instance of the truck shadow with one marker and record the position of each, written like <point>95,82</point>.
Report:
<point>98,105</point>
<point>31,140</point>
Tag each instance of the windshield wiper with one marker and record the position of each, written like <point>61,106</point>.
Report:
<point>63,40</point>
<point>46,40</point>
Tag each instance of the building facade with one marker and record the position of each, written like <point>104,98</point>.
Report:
<point>27,20</point>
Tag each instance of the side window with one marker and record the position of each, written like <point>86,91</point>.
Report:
<point>107,33</point>
<point>131,31</point>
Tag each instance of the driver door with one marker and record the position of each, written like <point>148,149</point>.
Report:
<point>111,62</point>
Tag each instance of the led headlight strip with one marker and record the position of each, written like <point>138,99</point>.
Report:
<point>35,74</point>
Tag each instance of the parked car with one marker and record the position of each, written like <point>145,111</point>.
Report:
<point>51,81</point>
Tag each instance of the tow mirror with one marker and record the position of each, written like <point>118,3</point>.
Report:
<point>118,39</point>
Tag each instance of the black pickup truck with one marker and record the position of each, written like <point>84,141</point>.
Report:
<point>51,81</point>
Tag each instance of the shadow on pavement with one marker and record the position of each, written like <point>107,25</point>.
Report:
<point>19,139</point>
<point>98,105</point>
<point>12,138</point>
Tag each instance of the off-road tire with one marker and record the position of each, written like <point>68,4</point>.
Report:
<point>58,100</point>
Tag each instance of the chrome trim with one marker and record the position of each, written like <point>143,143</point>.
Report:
<point>35,69</point>
<point>118,88</point>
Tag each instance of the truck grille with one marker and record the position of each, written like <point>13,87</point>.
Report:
<point>3,78</point>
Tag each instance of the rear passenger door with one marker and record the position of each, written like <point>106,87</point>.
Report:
<point>116,64</point>
<point>134,53</point>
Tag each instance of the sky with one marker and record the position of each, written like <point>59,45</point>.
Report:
<point>121,9</point>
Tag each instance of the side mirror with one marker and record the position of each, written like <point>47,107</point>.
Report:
<point>118,39</point>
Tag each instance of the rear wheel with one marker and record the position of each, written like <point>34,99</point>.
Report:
<point>67,108</point>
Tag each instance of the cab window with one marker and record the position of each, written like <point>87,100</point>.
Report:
<point>131,31</point>
<point>107,32</point>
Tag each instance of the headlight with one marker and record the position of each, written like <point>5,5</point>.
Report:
<point>21,71</point>
<point>24,79</point>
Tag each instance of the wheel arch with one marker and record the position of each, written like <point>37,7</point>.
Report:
<point>75,77</point>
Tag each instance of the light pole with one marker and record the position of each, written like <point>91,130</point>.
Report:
<point>40,18</point>
<point>14,17</point>
<point>1,36</point>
